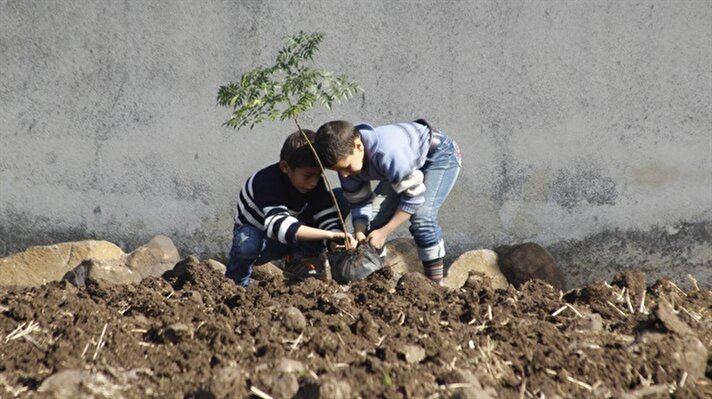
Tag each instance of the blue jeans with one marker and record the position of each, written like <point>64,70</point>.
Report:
<point>251,246</point>
<point>442,166</point>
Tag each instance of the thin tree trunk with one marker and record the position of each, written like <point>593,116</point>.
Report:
<point>328,184</point>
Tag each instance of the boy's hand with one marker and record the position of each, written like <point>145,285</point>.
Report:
<point>377,238</point>
<point>361,237</point>
<point>347,241</point>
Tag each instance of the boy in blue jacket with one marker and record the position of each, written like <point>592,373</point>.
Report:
<point>416,165</point>
<point>283,210</point>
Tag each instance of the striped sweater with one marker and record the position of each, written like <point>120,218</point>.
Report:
<point>269,201</point>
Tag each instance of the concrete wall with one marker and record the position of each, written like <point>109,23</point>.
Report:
<point>585,126</point>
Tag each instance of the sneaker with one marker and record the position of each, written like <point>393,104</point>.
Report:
<point>300,268</point>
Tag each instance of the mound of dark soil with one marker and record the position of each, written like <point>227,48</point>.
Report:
<point>194,334</point>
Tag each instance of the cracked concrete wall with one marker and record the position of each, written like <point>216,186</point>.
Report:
<point>585,126</point>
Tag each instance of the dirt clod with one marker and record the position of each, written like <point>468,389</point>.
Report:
<point>193,333</point>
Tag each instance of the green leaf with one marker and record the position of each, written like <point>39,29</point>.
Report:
<point>286,89</point>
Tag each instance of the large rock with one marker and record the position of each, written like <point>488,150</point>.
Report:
<point>483,261</point>
<point>41,264</point>
<point>154,258</point>
<point>523,262</point>
<point>114,273</point>
<point>402,256</point>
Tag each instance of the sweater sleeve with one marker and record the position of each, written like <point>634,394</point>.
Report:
<point>279,224</point>
<point>360,196</point>
<point>405,179</point>
<point>326,216</point>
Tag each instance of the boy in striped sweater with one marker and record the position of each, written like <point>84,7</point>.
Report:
<point>416,167</point>
<point>283,210</point>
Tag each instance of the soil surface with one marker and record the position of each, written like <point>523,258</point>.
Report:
<point>194,334</point>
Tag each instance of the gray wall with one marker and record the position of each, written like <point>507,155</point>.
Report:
<point>585,126</point>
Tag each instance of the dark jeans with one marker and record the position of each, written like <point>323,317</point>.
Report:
<point>251,246</point>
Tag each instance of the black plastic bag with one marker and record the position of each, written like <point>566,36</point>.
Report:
<point>354,264</point>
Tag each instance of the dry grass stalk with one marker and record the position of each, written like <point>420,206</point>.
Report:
<point>259,393</point>
<point>642,305</point>
<point>695,316</point>
<point>22,330</point>
<point>574,309</point>
<point>616,308</point>
<point>693,282</point>
<point>682,379</point>
<point>630,305</point>
<point>349,314</point>
<point>86,347</point>
<point>380,341</point>
<point>522,389</point>
<point>557,312</point>
<point>678,289</point>
<point>459,385</point>
<point>100,344</point>
<point>489,312</point>
<point>296,342</point>
<point>579,383</point>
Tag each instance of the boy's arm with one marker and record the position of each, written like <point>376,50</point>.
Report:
<point>360,196</point>
<point>306,233</point>
<point>280,225</point>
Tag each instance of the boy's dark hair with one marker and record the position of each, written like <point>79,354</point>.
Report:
<point>335,141</point>
<point>296,151</point>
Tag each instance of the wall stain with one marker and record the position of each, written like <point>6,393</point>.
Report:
<point>660,251</point>
<point>583,184</point>
<point>654,174</point>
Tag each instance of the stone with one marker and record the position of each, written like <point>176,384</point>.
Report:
<point>181,267</point>
<point>286,365</point>
<point>402,256</point>
<point>483,261</point>
<point>334,389</point>
<point>154,258</point>
<point>528,261</point>
<point>294,319</point>
<point>412,353</point>
<point>41,264</point>
<point>590,322</point>
<point>266,272</point>
<point>226,381</point>
<point>217,266</point>
<point>74,383</point>
<point>277,384</point>
<point>465,385</point>
<point>106,272</point>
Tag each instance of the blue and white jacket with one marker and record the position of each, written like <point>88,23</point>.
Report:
<point>393,153</point>
<point>269,201</point>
